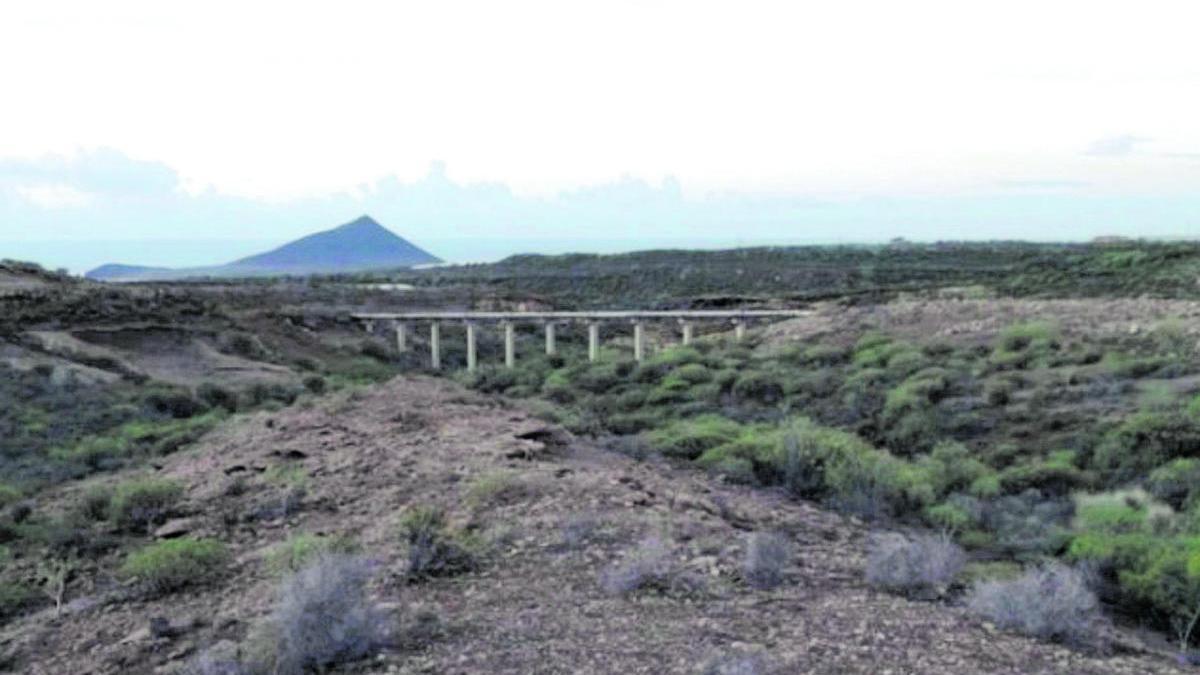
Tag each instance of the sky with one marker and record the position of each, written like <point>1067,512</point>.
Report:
<point>190,133</point>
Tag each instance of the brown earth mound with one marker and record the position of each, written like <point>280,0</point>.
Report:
<point>557,512</point>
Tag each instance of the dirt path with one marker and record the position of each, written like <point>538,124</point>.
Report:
<point>563,515</point>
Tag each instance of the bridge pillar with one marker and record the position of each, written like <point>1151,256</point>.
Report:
<point>687,333</point>
<point>739,330</point>
<point>510,344</point>
<point>401,337</point>
<point>593,341</point>
<point>639,341</point>
<point>435,345</point>
<point>472,359</point>
<point>551,346</point>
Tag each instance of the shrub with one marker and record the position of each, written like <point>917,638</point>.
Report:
<point>689,439</point>
<point>951,467</point>
<point>138,505</point>
<point>1055,474</point>
<point>316,384</point>
<point>763,387</point>
<point>649,567</point>
<point>177,404</point>
<point>1131,368</point>
<point>325,616</point>
<point>1051,602</point>
<point>767,556</point>
<point>216,396</point>
<point>818,462</point>
<point>501,487</point>
<point>433,550</point>
<point>957,514</point>
<point>301,550</point>
<point>923,566</point>
<point>242,344</point>
<point>375,349</point>
<point>173,564</point>
<point>1146,441</point>
<point>1176,482</point>
<point>1028,525</point>
<point>693,373</point>
<point>1121,511</point>
<point>14,597</point>
<point>9,495</point>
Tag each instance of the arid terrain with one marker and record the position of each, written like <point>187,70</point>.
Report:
<point>237,478</point>
<point>563,512</point>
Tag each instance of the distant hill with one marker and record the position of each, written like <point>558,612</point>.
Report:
<point>357,246</point>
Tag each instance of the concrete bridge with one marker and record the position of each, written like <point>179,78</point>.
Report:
<point>550,321</point>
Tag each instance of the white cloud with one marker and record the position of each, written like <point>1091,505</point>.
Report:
<point>50,196</point>
<point>1116,146</point>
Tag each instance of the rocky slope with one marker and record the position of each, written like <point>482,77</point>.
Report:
<point>556,513</point>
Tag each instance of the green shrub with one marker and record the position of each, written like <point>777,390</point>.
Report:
<point>822,463</point>
<point>598,378</point>
<point>1055,474</point>
<point>1122,511</point>
<point>216,396</point>
<point>952,467</point>
<point>1157,576</point>
<point>96,503</point>
<point>14,598</point>
<point>433,549</point>
<point>954,515</point>
<point>138,505</point>
<point>1131,367</point>
<point>300,550</point>
<point>690,438</point>
<point>632,422</point>
<point>9,495</point>
<point>1145,441</point>
<point>167,566</point>
<point>986,486</point>
<point>501,487</point>
<point>825,355</point>
<point>631,400</point>
<point>97,453</point>
<point>1026,336</point>
<point>1177,482</point>
<point>693,373</point>
<point>316,384</point>
<point>762,387</point>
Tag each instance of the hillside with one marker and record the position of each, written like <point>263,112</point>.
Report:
<point>360,245</point>
<point>548,518</point>
<point>865,273</point>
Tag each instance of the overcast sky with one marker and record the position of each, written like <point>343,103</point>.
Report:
<point>482,128</point>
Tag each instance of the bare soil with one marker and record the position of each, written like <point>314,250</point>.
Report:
<point>536,606</point>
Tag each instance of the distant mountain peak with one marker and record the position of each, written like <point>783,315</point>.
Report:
<point>360,245</point>
<point>362,222</point>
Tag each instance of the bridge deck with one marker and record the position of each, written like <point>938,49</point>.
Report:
<point>594,315</point>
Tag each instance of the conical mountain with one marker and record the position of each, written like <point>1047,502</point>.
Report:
<point>360,245</point>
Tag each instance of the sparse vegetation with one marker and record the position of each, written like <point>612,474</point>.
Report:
<point>138,505</point>
<point>434,550</point>
<point>1051,602</point>
<point>766,559</point>
<point>923,566</point>
<point>171,565</point>
<point>649,567</point>
<point>323,616</point>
